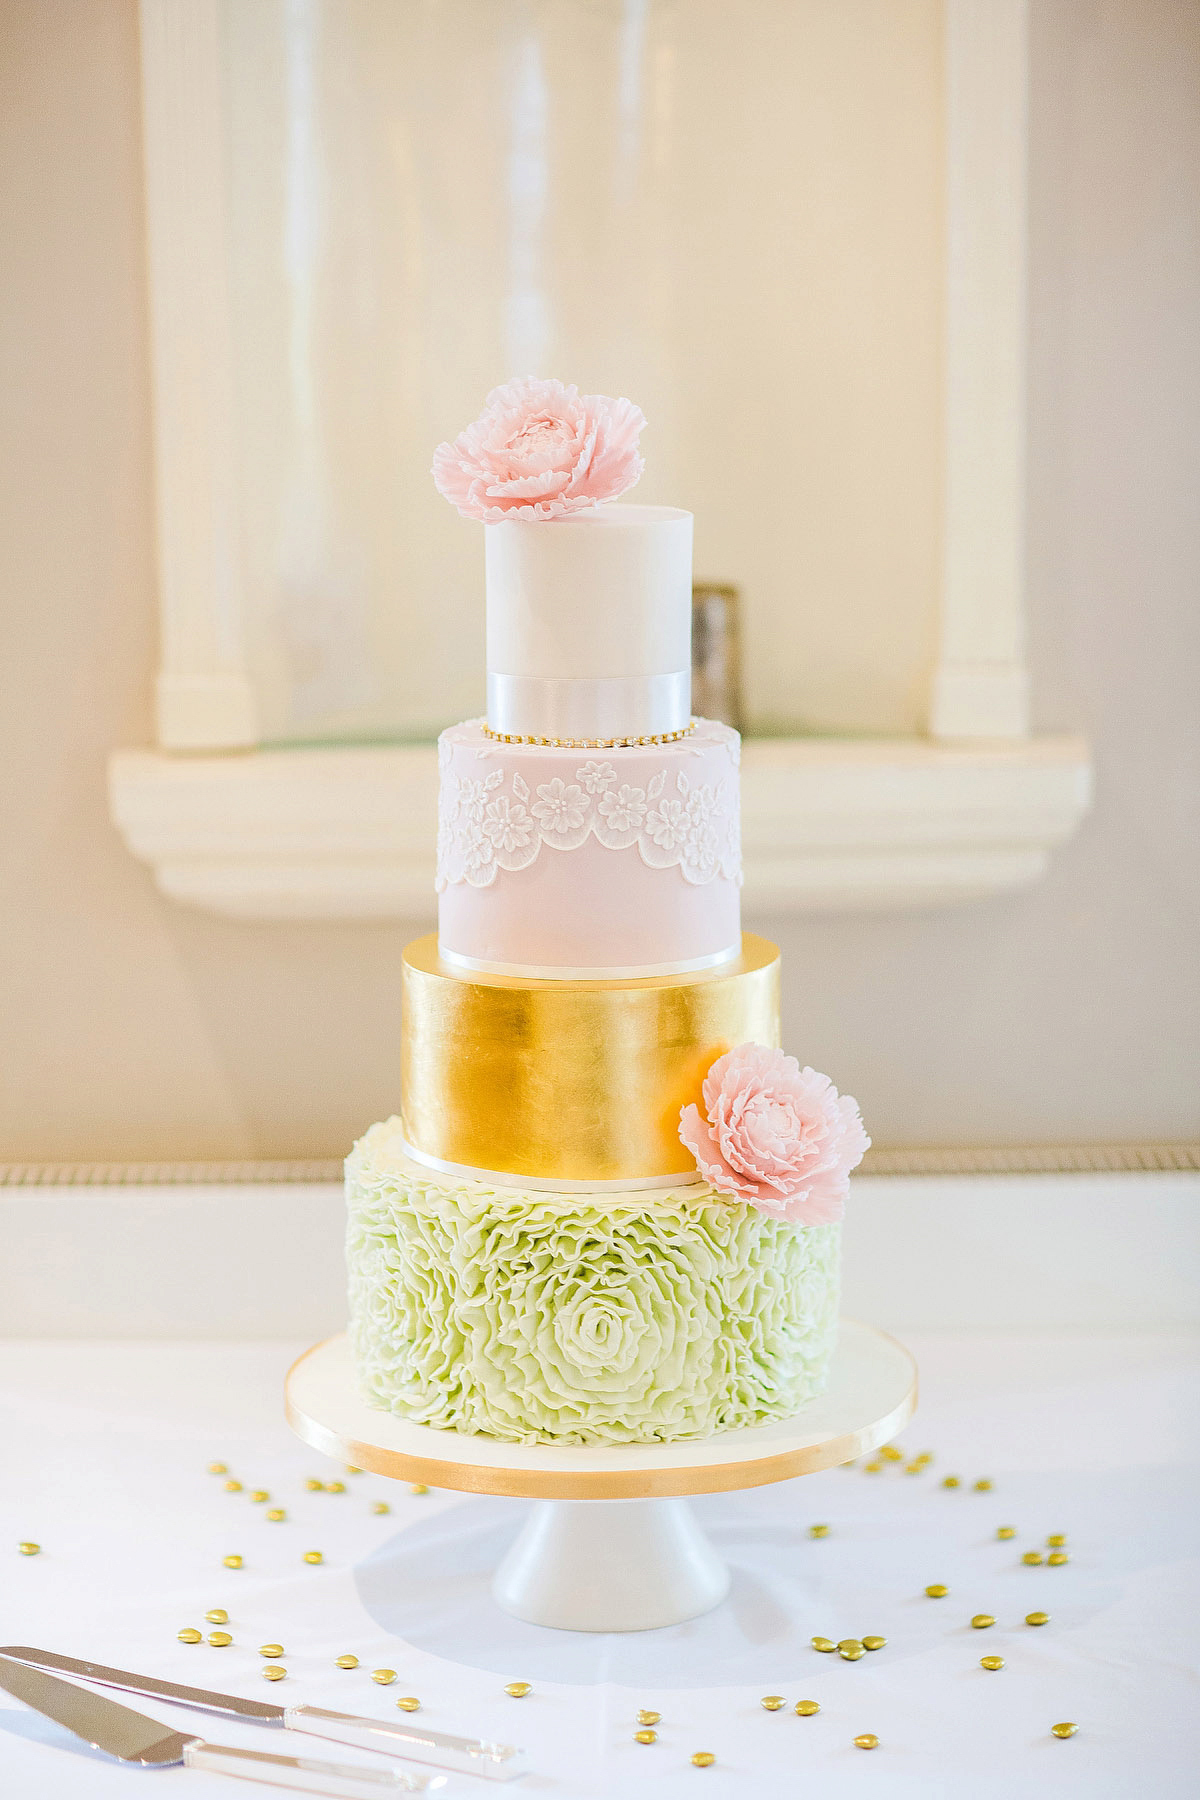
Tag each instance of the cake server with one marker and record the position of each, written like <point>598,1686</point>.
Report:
<point>465,1756</point>
<point>133,1738</point>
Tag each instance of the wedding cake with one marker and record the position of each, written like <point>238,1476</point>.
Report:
<point>609,1209</point>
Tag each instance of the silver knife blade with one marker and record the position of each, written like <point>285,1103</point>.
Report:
<point>104,1724</point>
<point>225,1706</point>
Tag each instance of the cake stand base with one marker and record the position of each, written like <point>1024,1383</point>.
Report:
<point>610,1565</point>
<point>613,1546</point>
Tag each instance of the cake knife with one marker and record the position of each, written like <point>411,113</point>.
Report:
<point>466,1756</point>
<point>132,1737</point>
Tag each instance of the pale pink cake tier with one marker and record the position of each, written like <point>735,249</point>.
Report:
<point>589,863</point>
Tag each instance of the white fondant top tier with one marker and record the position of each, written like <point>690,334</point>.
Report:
<point>589,623</point>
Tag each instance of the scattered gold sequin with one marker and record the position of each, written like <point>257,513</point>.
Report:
<point>983,1485</point>
<point>645,1737</point>
<point>806,1708</point>
<point>349,1661</point>
<point>313,1556</point>
<point>274,1672</point>
<point>937,1590</point>
<point>408,1703</point>
<point>351,1470</point>
<point>276,1515</point>
<point>335,1487</point>
<point>914,1467</point>
<point>29,1548</point>
<point>1066,1729</point>
<point>1032,1558</point>
<point>1057,1558</point>
<point>384,1677</point>
<point>218,1468</point>
<point>824,1645</point>
<point>981,1621</point>
<point>818,1531</point>
<point>647,1716</point>
<point>771,1702</point>
<point>272,1651</point>
<point>1038,1618</point>
<point>1004,1532</point>
<point>189,1635</point>
<point>924,1457</point>
<point>874,1643</point>
<point>892,1453</point>
<point>260,1496</point>
<point>866,1740</point>
<point>216,1615</point>
<point>314,1486</point>
<point>703,1759</point>
<point>220,1640</point>
<point>418,1488</point>
<point>1056,1540</point>
<point>872,1468</point>
<point>950,1481</point>
<point>380,1507</point>
<point>851,1649</point>
<point>233,1486</point>
<point>991,1662</point>
<point>518,1689</point>
<point>232,1562</point>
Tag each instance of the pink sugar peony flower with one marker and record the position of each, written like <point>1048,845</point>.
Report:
<point>539,450</point>
<point>777,1135</point>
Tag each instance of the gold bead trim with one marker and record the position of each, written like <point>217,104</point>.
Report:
<point>621,743</point>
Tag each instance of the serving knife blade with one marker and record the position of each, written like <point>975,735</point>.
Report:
<point>131,1737</point>
<point>469,1756</point>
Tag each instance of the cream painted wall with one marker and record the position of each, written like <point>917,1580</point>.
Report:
<point>134,1029</point>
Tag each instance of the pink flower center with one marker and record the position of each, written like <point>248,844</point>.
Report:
<point>538,437</point>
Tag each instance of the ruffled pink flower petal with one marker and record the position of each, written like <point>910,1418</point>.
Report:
<point>540,450</point>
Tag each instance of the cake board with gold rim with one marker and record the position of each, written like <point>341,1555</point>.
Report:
<point>612,1544</point>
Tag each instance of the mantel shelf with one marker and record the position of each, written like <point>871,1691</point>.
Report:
<point>828,825</point>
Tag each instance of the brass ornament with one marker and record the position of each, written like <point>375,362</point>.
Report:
<point>866,1740</point>
<point>518,1689</point>
<point>807,1708</point>
<point>216,1615</point>
<point>1065,1730</point>
<point>772,1702</point>
<point>272,1651</point>
<point>189,1635</point>
<point>874,1643</point>
<point>408,1703</point>
<point>349,1661</point>
<point>570,1081</point>
<point>991,1662</point>
<point>274,1672</point>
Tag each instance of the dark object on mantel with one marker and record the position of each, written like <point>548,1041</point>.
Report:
<point>716,659</point>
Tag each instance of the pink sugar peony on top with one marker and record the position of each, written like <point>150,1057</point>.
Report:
<point>540,450</point>
<point>776,1135</point>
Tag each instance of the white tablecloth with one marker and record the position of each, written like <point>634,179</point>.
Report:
<point>105,1453</point>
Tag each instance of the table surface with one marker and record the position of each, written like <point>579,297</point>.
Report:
<point>106,1448</point>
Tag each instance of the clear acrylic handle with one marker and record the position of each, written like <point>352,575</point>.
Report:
<point>305,1776</point>
<point>413,1742</point>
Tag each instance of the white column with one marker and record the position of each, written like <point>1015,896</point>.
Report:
<point>981,685</point>
<point>205,700</point>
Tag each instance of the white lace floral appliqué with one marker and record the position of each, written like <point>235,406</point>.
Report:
<point>497,823</point>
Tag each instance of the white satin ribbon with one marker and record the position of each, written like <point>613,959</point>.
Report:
<point>611,706</point>
<point>502,1178</point>
<point>544,972</point>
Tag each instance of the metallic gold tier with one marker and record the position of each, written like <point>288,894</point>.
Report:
<point>570,1081</point>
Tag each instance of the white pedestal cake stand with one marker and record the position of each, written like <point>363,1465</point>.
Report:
<point>612,1544</point>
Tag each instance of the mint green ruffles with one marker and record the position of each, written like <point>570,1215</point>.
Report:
<point>580,1319</point>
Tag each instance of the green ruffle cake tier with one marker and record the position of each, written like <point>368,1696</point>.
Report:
<point>612,1318</point>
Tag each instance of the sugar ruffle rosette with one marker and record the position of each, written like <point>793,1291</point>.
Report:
<point>776,1135</point>
<point>545,1317</point>
<point>540,450</point>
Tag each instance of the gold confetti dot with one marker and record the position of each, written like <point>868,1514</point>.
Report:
<point>925,1457</point>
<point>648,1716</point>
<point>348,1661</point>
<point>314,1486</point>
<point>991,1662</point>
<point>703,1759</point>
<point>874,1643</point>
<point>914,1468</point>
<point>29,1548</point>
<point>276,1515</point>
<point>380,1507</point>
<point>981,1621</point>
<point>1038,1618</point>
<point>1066,1729</point>
<point>271,1651</point>
<point>233,1487</point>
<point>418,1488</point>
<point>866,1740</point>
<point>232,1562</point>
<point>218,1468</point>
<point>216,1615</point>
<point>1004,1532</point>
<point>220,1640</point>
<point>259,1496</point>
<point>806,1708</point>
<point>517,1689</point>
<point>1056,1540</point>
<point>950,1481</point>
<point>983,1485</point>
<point>351,1470</point>
<point>1032,1558</point>
<point>274,1672</point>
<point>313,1556</point>
<point>408,1703</point>
<point>851,1649</point>
<point>1057,1558</point>
<point>824,1645</point>
<point>335,1487</point>
<point>872,1468</point>
<point>645,1737</point>
<point>384,1677</point>
<point>818,1531</point>
<point>771,1702</point>
<point>189,1635</point>
<point>937,1590</point>
<point>892,1453</point>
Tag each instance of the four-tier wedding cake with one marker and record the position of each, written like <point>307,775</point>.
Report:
<point>609,1209</point>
